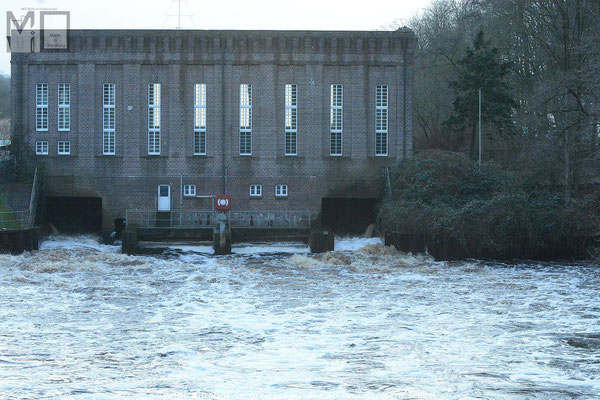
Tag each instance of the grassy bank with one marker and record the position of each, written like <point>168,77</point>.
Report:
<point>7,216</point>
<point>486,212</point>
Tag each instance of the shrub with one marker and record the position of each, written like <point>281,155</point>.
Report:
<point>485,211</point>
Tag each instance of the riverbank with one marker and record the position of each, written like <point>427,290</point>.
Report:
<point>456,209</point>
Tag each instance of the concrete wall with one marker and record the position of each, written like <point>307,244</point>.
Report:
<point>222,60</point>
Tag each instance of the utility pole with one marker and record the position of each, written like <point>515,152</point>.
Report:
<point>170,14</point>
<point>479,126</point>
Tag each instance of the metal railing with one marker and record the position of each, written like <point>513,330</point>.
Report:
<point>270,219</point>
<point>15,219</point>
<point>151,219</point>
<point>205,218</point>
<point>33,198</point>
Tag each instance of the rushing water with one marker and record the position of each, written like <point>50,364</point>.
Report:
<point>80,320</point>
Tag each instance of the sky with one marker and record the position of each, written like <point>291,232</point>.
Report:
<point>220,14</point>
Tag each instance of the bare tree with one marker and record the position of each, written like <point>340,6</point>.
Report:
<point>553,47</point>
<point>562,76</point>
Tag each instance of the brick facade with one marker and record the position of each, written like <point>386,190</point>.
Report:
<point>268,60</point>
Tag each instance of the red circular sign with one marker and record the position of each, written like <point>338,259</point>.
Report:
<point>223,202</point>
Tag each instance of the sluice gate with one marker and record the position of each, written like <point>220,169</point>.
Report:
<point>223,228</point>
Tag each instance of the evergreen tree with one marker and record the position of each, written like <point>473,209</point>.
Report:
<point>481,67</point>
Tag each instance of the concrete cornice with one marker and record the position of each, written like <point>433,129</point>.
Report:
<point>240,42</point>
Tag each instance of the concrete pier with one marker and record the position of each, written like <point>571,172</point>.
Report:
<point>321,239</point>
<point>222,235</point>
<point>130,241</point>
<point>16,241</point>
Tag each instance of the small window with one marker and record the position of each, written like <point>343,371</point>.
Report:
<point>41,148</point>
<point>281,190</point>
<point>255,190</point>
<point>189,190</point>
<point>64,148</point>
<point>163,190</point>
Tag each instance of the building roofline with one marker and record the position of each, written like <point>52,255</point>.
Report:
<point>234,32</point>
<point>234,45</point>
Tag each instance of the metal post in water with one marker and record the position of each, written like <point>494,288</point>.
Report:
<point>180,197</point>
<point>479,126</point>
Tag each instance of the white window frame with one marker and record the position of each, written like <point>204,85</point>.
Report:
<point>41,107</point>
<point>245,119</point>
<point>381,121</point>
<point>281,190</point>
<point>109,100</point>
<point>64,107</point>
<point>200,119</point>
<point>189,190</point>
<point>66,148</point>
<point>255,190</point>
<point>336,127</point>
<point>154,104</point>
<point>41,148</point>
<point>291,120</point>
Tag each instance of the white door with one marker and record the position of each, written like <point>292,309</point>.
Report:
<point>164,198</point>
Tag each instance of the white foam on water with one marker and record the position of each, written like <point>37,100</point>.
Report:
<point>204,248</point>
<point>236,248</point>
<point>341,244</point>
<point>354,243</point>
<point>270,248</point>
<point>65,242</point>
<point>362,322</point>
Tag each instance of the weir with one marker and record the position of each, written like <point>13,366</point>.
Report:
<point>224,228</point>
<point>18,232</point>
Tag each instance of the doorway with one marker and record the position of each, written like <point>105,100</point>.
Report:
<point>164,198</point>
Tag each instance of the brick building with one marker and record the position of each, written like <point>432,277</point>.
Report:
<point>152,119</point>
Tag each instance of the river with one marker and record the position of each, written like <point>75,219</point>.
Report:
<point>80,320</point>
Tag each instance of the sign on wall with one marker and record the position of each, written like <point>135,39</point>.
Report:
<point>223,202</point>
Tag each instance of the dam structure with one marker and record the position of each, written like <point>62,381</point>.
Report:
<point>154,123</point>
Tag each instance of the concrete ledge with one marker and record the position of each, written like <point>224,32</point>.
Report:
<point>16,241</point>
<point>268,234</point>
<point>166,233</point>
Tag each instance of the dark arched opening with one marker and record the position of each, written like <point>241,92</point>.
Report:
<point>74,214</point>
<point>348,215</point>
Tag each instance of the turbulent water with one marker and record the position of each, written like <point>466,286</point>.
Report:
<point>80,320</point>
